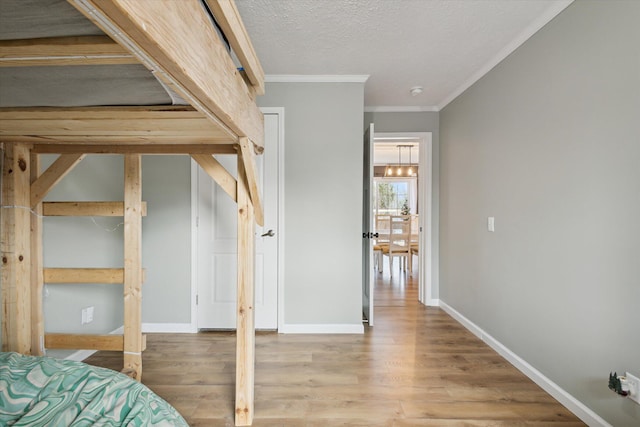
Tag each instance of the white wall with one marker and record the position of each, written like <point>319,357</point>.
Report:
<point>548,143</point>
<point>323,202</point>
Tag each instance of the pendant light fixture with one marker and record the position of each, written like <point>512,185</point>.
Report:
<point>400,169</point>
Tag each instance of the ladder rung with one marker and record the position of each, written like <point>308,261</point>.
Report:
<point>86,275</point>
<point>86,208</point>
<point>84,342</point>
<point>108,342</point>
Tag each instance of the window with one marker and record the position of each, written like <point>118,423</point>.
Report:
<point>395,196</point>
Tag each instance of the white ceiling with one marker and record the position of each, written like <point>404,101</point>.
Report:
<point>442,45</point>
<point>388,152</point>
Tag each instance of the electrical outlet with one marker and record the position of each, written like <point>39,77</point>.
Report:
<point>87,315</point>
<point>634,387</point>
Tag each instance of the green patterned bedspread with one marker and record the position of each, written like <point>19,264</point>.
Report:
<point>41,391</point>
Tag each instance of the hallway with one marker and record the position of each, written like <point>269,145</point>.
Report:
<point>415,367</point>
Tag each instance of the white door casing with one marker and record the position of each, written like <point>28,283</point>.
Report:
<point>428,256</point>
<point>217,242</point>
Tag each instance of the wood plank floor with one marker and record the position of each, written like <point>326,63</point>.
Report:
<point>415,367</point>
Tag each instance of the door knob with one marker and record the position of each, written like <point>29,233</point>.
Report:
<point>269,233</point>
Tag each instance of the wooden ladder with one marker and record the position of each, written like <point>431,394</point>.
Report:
<point>132,343</point>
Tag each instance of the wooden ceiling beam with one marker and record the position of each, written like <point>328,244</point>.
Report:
<point>157,32</point>
<point>53,51</point>
<point>110,126</point>
<point>135,149</point>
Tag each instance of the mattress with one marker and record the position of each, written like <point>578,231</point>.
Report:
<point>42,391</point>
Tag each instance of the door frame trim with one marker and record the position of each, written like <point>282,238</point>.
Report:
<point>194,245</point>
<point>281,194</point>
<point>194,226</point>
<point>426,259</point>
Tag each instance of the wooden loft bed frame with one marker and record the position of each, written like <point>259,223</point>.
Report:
<point>176,40</point>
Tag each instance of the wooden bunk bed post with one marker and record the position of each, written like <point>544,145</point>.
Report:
<point>37,274</point>
<point>133,264</point>
<point>251,174</point>
<point>245,327</point>
<point>227,121</point>
<point>16,249</point>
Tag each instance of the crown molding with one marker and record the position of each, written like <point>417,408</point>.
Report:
<point>316,78</point>
<point>533,28</point>
<point>400,109</point>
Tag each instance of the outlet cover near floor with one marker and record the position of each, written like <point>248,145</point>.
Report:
<point>634,387</point>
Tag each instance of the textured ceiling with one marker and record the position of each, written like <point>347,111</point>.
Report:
<point>442,45</point>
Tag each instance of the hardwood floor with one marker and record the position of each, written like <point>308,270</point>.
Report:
<point>415,367</point>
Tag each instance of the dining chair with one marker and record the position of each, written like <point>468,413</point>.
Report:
<point>399,242</point>
<point>382,241</point>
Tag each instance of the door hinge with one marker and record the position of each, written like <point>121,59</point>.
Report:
<point>196,299</point>
<point>197,221</point>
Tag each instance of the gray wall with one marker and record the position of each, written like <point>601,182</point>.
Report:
<point>418,122</point>
<point>548,143</point>
<point>323,200</point>
<point>81,242</point>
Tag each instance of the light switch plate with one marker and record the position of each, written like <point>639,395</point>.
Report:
<point>491,224</point>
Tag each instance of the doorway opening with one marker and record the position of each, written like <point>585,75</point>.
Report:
<point>400,189</point>
<point>396,210</point>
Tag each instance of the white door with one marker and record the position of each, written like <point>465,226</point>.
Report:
<point>218,243</point>
<point>367,227</point>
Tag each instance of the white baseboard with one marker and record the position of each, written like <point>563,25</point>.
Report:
<point>80,355</point>
<point>433,302</point>
<point>168,328</point>
<point>570,402</point>
<point>322,329</point>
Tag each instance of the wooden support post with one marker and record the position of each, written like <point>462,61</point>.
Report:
<point>133,263</point>
<point>218,173</point>
<point>251,173</point>
<point>16,249</point>
<point>37,283</point>
<point>245,329</point>
<point>58,170</point>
